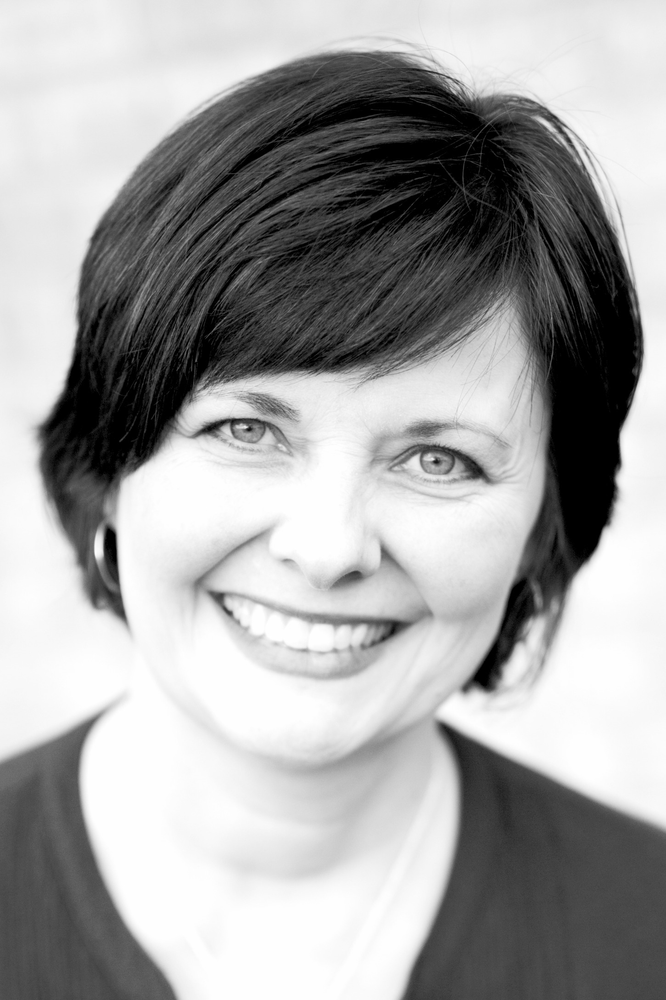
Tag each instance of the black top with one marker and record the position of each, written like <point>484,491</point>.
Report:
<point>551,897</point>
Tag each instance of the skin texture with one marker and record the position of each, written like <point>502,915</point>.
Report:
<point>258,796</point>
<point>334,514</point>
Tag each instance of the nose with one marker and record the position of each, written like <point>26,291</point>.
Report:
<point>326,529</point>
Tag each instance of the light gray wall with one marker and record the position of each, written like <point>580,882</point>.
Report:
<point>88,86</point>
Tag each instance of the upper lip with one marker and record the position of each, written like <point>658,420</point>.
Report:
<point>312,616</point>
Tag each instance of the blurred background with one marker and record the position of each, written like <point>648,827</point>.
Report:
<point>88,87</point>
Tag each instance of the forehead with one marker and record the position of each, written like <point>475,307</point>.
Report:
<point>487,377</point>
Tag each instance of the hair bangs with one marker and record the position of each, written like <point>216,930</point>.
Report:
<point>334,266</point>
<point>365,306</point>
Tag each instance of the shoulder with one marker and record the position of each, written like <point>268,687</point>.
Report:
<point>30,784</point>
<point>526,784</point>
<point>576,827</point>
<point>579,824</point>
<point>24,778</point>
<point>20,770</point>
<point>601,874</point>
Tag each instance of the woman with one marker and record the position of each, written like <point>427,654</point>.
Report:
<point>355,347</point>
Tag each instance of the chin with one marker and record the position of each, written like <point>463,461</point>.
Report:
<point>311,740</point>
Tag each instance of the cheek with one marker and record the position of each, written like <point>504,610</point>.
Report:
<point>175,522</point>
<point>464,566</point>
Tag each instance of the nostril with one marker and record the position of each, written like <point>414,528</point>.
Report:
<point>328,581</point>
<point>325,556</point>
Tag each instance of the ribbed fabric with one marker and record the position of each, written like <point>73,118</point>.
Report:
<point>552,896</point>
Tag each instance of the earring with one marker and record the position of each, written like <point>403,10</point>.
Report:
<point>537,596</point>
<point>99,552</point>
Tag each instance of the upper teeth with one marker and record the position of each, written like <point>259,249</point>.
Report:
<point>297,633</point>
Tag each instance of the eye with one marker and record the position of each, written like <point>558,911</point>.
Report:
<point>436,462</point>
<point>247,434</point>
<point>247,431</point>
<point>440,465</point>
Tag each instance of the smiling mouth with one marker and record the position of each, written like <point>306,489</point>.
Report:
<point>303,634</point>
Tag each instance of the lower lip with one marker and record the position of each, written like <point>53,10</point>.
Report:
<point>302,663</point>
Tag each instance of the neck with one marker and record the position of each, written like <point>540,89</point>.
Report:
<point>225,807</point>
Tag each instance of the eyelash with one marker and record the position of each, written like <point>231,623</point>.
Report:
<point>215,428</point>
<point>474,470</point>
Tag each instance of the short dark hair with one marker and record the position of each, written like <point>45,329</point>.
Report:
<point>353,210</point>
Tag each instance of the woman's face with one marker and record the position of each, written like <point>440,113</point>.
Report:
<point>310,564</point>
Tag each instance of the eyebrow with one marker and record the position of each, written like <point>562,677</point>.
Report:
<point>431,428</point>
<point>268,405</point>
